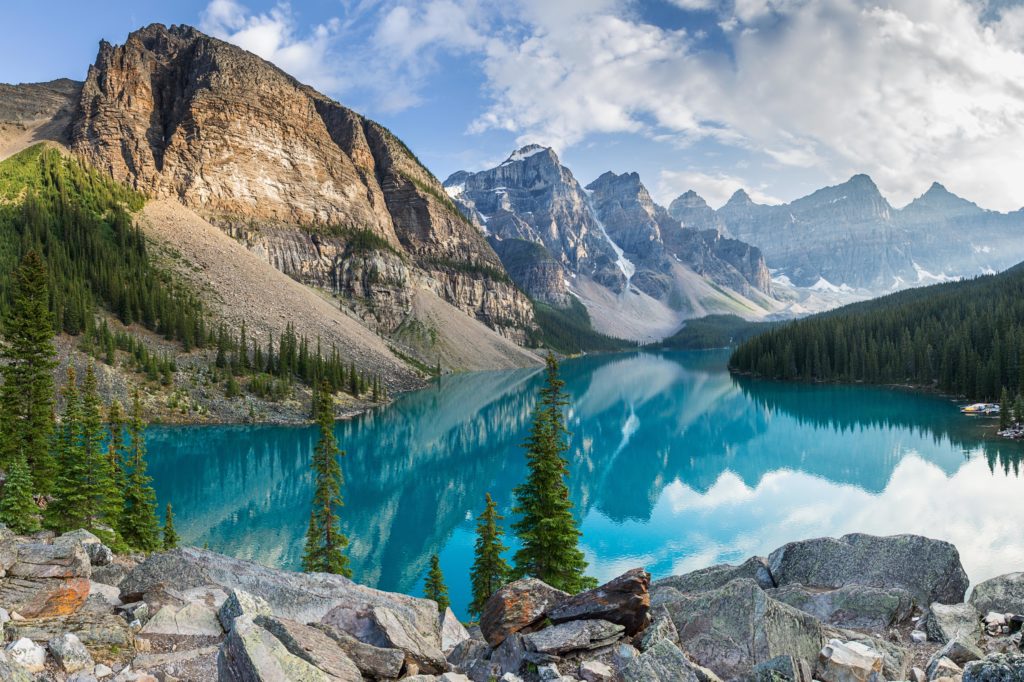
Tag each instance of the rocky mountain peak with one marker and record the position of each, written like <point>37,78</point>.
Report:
<point>938,199</point>
<point>535,152</point>
<point>688,200</point>
<point>740,198</point>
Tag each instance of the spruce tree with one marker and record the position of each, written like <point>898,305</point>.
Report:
<point>170,535</point>
<point>26,398</point>
<point>17,507</point>
<point>139,525</point>
<point>490,570</point>
<point>546,527</point>
<point>324,539</point>
<point>434,588</point>
<point>115,444</point>
<point>66,511</point>
<point>103,498</point>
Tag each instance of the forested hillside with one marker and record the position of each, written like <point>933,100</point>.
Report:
<point>965,338</point>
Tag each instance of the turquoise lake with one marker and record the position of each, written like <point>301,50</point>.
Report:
<point>675,465</point>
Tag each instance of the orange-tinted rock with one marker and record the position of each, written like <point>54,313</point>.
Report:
<point>517,607</point>
<point>44,598</point>
<point>625,601</point>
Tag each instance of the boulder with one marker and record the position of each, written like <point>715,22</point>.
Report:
<point>1003,594</point>
<point>851,606</point>
<point>452,631</point>
<point>731,629</point>
<point>663,662</point>
<point>392,631</point>
<point>996,668</point>
<point>848,662</point>
<point>70,653</point>
<point>946,622</point>
<point>59,560</point>
<point>372,661</point>
<point>192,620</point>
<point>596,671</point>
<point>251,654</point>
<point>111,574</point>
<point>929,570</point>
<point>27,654</point>
<point>313,646</point>
<point>467,653</point>
<point>626,601</point>
<point>105,635</point>
<point>44,598</point>
<point>714,577</point>
<point>98,553</point>
<point>961,653</point>
<point>661,627</point>
<point>12,672</point>
<point>302,597</point>
<point>241,603</point>
<point>895,659</point>
<point>940,668</point>
<point>575,635</point>
<point>109,594</point>
<point>517,607</point>
<point>507,658</point>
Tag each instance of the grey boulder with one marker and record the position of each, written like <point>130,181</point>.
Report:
<point>313,646</point>
<point>851,606</point>
<point>946,622</point>
<point>663,662</point>
<point>626,600</point>
<point>69,652</point>
<point>996,668</point>
<point>251,654</point>
<point>372,661</point>
<point>1002,594</point>
<point>576,635</point>
<point>713,577</point>
<point>241,603</point>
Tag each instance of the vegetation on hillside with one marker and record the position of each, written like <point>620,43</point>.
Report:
<point>714,331</point>
<point>965,338</point>
<point>569,330</point>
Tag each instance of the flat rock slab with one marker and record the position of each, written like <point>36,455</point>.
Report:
<point>192,620</point>
<point>59,560</point>
<point>848,662</point>
<point>625,600</point>
<point>44,597</point>
<point>517,607</point>
<point>190,664</point>
<point>313,646</point>
<point>575,635</point>
<point>930,570</point>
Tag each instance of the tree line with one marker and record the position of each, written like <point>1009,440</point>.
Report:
<point>545,526</point>
<point>964,338</point>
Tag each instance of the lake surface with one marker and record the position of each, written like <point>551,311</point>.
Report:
<point>675,465</point>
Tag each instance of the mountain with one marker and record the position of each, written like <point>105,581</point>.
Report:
<point>849,236</point>
<point>637,270</point>
<point>212,133</point>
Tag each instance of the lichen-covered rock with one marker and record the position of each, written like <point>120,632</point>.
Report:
<point>737,626</point>
<point>851,606</point>
<point>1002,594</point>
<point>45,597</point>
<point>38,560</point>
<point>661,627</point>
<point>106,636</point>
<point>625,600</point>
<point>996,668</point>
<point>241,603</point>
<point>848,662</point>
<point>251,654</point>
<point>946,622</point>
<point>714,577</point>
<point>573,635</point>
<point>596,671</point>
<point>27,654</point>
<point>517,607</point>
<point>663,662</point>
<point>930,570</point>
<point>313,646</point>
<point>961,653</point>
<point>70,653</point>
<point>942,668</point>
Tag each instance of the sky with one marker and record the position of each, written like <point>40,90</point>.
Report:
<point>778,97</point>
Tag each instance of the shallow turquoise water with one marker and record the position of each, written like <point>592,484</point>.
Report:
<point>675,465</point>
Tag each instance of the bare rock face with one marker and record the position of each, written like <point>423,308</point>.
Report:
<point>310,183</point>
<point>516,607</point>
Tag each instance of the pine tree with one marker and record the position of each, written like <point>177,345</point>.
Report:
<point>65,512</point>
<point>26,398</point>
<point>434,588</point>
<point>115,444</point>
<point>17,507</point>
<point>324,539</point>
<point>170,535</point>
<point>104,499</point>
<point>490,570</point>
<point>546,527</point>
<point>139,525</point>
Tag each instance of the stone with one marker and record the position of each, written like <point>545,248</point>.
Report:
<point>105,635</point>
<point>848,662</point>
<point>895,658</point>
<point>942,667</point>
<point>464,654</point>
<point>596,671</point>
<point>917,675</point>
<point>313,646</point>
<point>1004,593</point>
<point>70,653</point>
<point>183,663</point>
<point>44,598</point>
<point>781,668</point>
<point>851,606</point>
<point>27,654</point>
<point>98,553</point>
<point>714,577</point>
<point>241,603</point>
<point>372,661</point>
<point>731,629</point>
<point>509,656</point>
<point>136,611</point>
<point>575,635</point>
<point>960,653</point>
<point>625,600</point>
<point>108,593</point>
<point>110,574</point>
<point>996,668</point>
<point>663,662</point>
<point>391,630</point>
<point>661,627</point>
<point>930,570</point>
<point>59,560</point>
<point>548,672</point>
<point>453,677</point>
<point>250,653</point>
<point>452,631</point>
<point>510,677</point>
<point>517,607</point>
<point>13,672</point>
<point>945,622</point>
<point>193,620</point>
<point>918,636</point>
<point>302,597</point>
<point>101,671</point>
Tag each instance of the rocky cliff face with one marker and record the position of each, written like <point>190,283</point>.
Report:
<point>850,235</point>
<point>328,196</point>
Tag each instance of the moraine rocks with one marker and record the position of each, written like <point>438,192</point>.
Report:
<point>190,614</point>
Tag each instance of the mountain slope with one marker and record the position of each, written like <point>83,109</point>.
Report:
<point>962,337</point>
<point>293,175</point>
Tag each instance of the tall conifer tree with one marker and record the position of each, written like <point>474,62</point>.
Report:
<point>490,570</point>
<point>66,511</point>
<point>18,509</point>
<point>435,589</point>
<point>26,398</point>
<point>546,527</point>
<point>170,534</point>
<point>325,542</point>
<point>139,525</point>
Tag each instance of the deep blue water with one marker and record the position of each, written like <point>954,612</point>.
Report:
<point>675,465</point>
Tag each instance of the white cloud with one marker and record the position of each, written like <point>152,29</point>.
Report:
<point>695,4</point>
<point>716,188</point>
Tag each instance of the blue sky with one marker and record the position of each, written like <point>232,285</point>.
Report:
<point>776,96</point>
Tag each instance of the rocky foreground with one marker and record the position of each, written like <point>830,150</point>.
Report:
<point>855,609</point>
